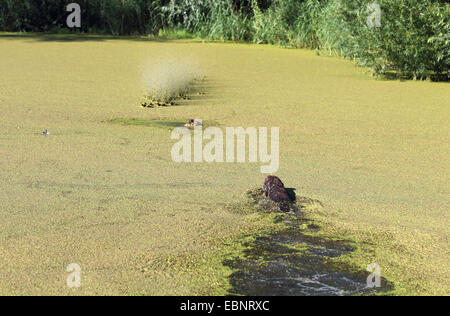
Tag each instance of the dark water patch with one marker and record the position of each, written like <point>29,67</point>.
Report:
<point>147,122</point>
<point>294,262</point>
<point>291,263</point>
<point>161,123</point>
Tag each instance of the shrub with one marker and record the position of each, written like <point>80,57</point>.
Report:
<point>168,81</point>
<point>412,39</point>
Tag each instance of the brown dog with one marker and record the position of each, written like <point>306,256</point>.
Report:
<point>274,189</point>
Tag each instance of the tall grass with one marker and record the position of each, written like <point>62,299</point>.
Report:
<point>208,19</point>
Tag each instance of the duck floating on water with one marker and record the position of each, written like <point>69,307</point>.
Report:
<point>193,122</point>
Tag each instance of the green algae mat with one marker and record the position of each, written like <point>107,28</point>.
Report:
<point>102,191</point>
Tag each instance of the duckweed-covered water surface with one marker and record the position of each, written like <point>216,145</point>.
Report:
<point>375,152</point>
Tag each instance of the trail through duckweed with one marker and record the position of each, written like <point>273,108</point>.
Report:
<point>294,264</point>
<point>148,122</point>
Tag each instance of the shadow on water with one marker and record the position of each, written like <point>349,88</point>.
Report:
<point>290,263</point>
<point>165,124</point>
<point>48,37</point>
<point>291,193</point>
